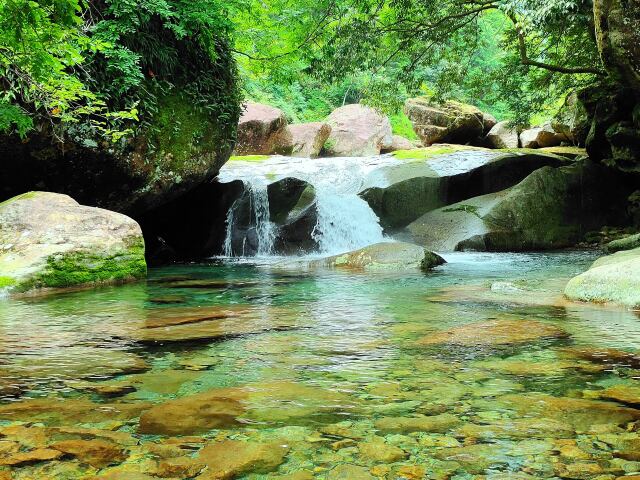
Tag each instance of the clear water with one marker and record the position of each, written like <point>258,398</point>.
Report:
<point>243,370</point>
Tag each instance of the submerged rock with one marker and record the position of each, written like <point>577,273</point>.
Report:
<point>48,240</point>
<point>97,453</point>
<point>626,394</point>
<point>435,423</point>
<point>358,131</point>
<point>385,256</point>
<point>551,208</point>
<point>232,458</point>
<point>451,122</point>
<point>495,333</point>
<point>611,279</point>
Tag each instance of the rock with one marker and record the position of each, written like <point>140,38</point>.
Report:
<point>626,445</point>
<point>495,333</point>
<point>541,137</point>
<point>377,450</point>
<point>443,175</point>
<point>503,136</point>
<point>32,456</point>
<point>307,139</point>
<point>611,279</point>
<point>572,120</point>
<point>436,424</point>
<point>349,472</point>
<point>451,122</point>
<point>604,356</point>
<point>475,459</point>
<point>627,243</point>
<point>627,394</point>
<point>262,131</point>
<point>572,153</point>
<point>97,453</point>
<point>551,208</point>
<point>358,131</point>
<point>542,428</point>
<point>179,467</point>
<point>48,240</point>
<point>488,122</point>
<point>232,458</point>
<point>384,256</point>
<point>399,143</point>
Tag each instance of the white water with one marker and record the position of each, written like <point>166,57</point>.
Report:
<point>345,221</point>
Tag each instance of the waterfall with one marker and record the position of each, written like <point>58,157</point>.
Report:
<point>345,221</point>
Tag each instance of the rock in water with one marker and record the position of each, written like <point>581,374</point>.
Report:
<point>503,136</point>
<point>358,131</point>
<point>262,130</point>
<point>385,256</point>
<point>48,240</point>
<point>451,122</point>
<point>615,279</point>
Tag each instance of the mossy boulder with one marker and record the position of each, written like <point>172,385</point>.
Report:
<point>445,174</point>
<point>611,279</point>
<point>452,122</point>
<point>388,256</point>
<point>627,243</point>
<point>551,208</point>
<point>49,240</point>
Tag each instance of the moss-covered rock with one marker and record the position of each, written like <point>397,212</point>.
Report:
<point>48,240</point>
<point>627,243</point>
<point>611,279</point>
<point>551,208</point>
<point>445,174</point>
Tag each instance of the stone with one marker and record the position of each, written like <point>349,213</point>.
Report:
<point>32,456</point>
<point>503,136</point>
<point>179,467</point>
<point>434,177</point>
<point>232,458</point>
<point>399,143</point>
<point>357,131</point>
<point>261,129</point>
<point>435,423</point>
<point>551,208</point>
<point>626,394</point>
<point>625,445</point>
<point>629,242</point>
<point>571,153</point>
<point>488,122</point>
<point>393,256</point>
<point>97,453</point>
<point>572,120</point>
<point>605,356</point>
<point>475,459</point>
<point>495,333</point>
<point>349,472</point>
<point>517,428</point>
<point>308,139</point>
<point>450,122</point>
<point>541,137</point>
<point>611,279</point>
<point>48,240</point>
<point>376,450</point>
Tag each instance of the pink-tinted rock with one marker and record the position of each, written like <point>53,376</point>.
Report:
<point>307,139</point>
<point>260,128</point>
<point>358,130</point>
<point>400,143</point>
<point>503,136</point>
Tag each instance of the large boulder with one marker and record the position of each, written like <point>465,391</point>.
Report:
<point>358,130</point>
<point>572,121</point>
<point>446,176</point>
<point>307,139</point>
<point>541,137</point>
<point>503,136</point>
<point>611,279</point>
<point>551,208</point>
<point>399,143</point>
<point>450,122</point>
<point>262,130</point>
<point>384,256</point>
<point>48,240</point>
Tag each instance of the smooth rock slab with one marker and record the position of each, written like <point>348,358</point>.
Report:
<point>495,333</point>
<point>390,256</point>
<point>48,240</point>
<point>611,279</point>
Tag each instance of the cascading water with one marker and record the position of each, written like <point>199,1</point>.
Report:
<point>344,220</point>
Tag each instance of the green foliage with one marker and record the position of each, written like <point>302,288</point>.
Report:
<point>401,125</point>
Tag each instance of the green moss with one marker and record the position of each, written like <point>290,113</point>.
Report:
<point>430,152</point>
<point>472,209</point>
<point>23,196</point>
<point>401,125</point>
<point>249,158</point>
<point>6,282</point>
<point>77,268</point>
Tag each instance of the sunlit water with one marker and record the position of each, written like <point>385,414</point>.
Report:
<point>254,371</point>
